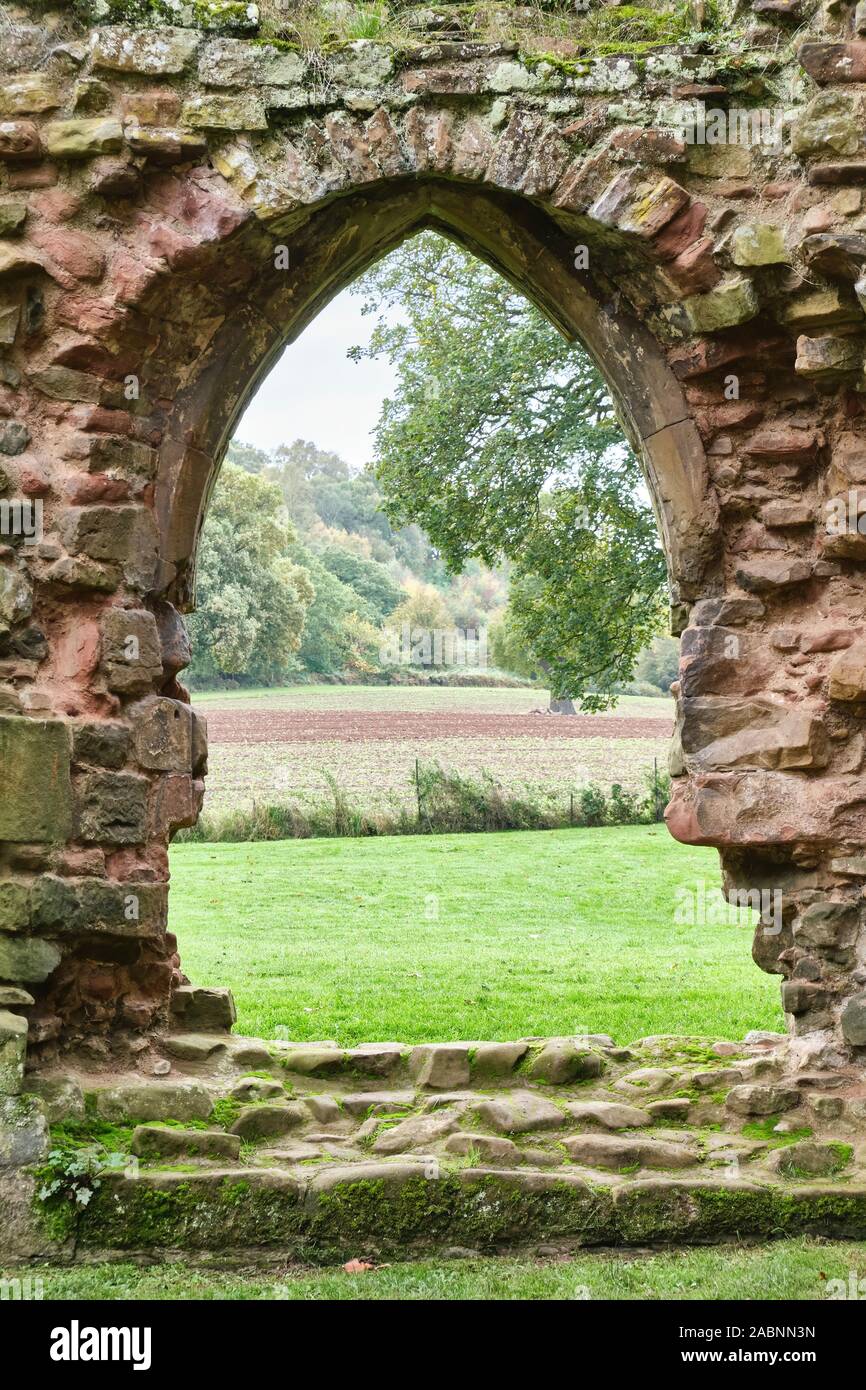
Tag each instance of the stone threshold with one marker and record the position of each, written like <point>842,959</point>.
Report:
<point>309,1152</point>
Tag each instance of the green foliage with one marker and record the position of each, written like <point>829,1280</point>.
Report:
<point>658,665</point>
<point>592,805</point>
<point>503,444</point>
<point>252,597</point>
<point>367,21</point>
<point>339,632</point>
<point>508,651</point>
<point>73,1171</point>
<point>299,567</point>
<point>636,28</point>
<point>367,577</point>
<point>422,607</point>
<point>448,802</point>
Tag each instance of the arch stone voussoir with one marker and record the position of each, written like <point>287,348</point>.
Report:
<point>176,206</point>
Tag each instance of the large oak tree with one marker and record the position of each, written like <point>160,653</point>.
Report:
<point>502,443</point>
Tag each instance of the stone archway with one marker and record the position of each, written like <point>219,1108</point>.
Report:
<point>150,175</point>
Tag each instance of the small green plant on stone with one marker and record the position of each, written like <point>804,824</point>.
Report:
<point>74,1174</point>
<point>367,21</point>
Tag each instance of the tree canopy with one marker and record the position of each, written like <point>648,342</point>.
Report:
<point>252,598</point>
<point>501,443</point>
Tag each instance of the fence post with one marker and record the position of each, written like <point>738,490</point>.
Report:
<point>418,789</point>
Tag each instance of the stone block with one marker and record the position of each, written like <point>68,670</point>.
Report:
<point>36,799</point>
<point>518,1112</point>
<point>762,1100</point>
<point>14,437</point>
<point>615,1152</point>
<point>834,62</point>
<point>163,735</point>
<point>826,924</point>
<point>417,1132</point>
<point>639,204</point>
<point>732,302</point>
<point>243,111</point>
<point>811,1159</point>
<point>14,905</point>
<point>19,140</point>
<point>27,959</point>
<point>12,218</point>
<point>84,138</point>
<point>316,1061</point>
<point>131,654</point>
<point>854,1020</point>
<point>718,733</point>
<point>204,1010</point>
<point>102,745</point>
<point>234,63</point>
<point>155,1100</point>
<point>60,906</point>
<point>29,93</point>
<point>265,1121</point>
<point>13,1049</point>
<point>847,675</point>
<point>561,1061</point>
<point>489,1148</point>
<point>821,308</point>
<point>758,243</point>
<point>497,1059</point>
<point>65,384</point>
<point>23,1131</point>
<point>16,597</point>
<point>609,1114</point>
<point>123,535</point>
<point>440,1066</point>
<point>148,52</point>
<point>827,124</point>
<point>111,807</point>
<point>61,1096</point>
<point>152,1141</point>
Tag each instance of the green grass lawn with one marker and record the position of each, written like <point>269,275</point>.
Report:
<point>791,1269</point>
<point>491,936</point>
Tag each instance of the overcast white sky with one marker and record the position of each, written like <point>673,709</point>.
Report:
<point>315,392</point>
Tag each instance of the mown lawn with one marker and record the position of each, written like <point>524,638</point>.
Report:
<point>496,936</point>
<point>791,1269</point>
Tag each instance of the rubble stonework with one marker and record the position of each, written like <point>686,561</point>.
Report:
<point>384,1150</point>
<point>177,201</point>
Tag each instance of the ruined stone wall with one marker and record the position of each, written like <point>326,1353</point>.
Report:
<point>178,201</point>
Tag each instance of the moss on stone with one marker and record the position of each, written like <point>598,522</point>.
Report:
<point>226,1111</point>
<point>844,1153</point>
<point>91,1130</point>
<point>226,16</point>
<point>194,1215</point>
<point>214,16</point>
<point>766,1129</point>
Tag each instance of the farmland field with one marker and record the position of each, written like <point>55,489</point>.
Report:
<point>279,745</point>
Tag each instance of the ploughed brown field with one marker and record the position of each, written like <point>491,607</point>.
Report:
<point>280,745</point>
<point>353,726</point>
